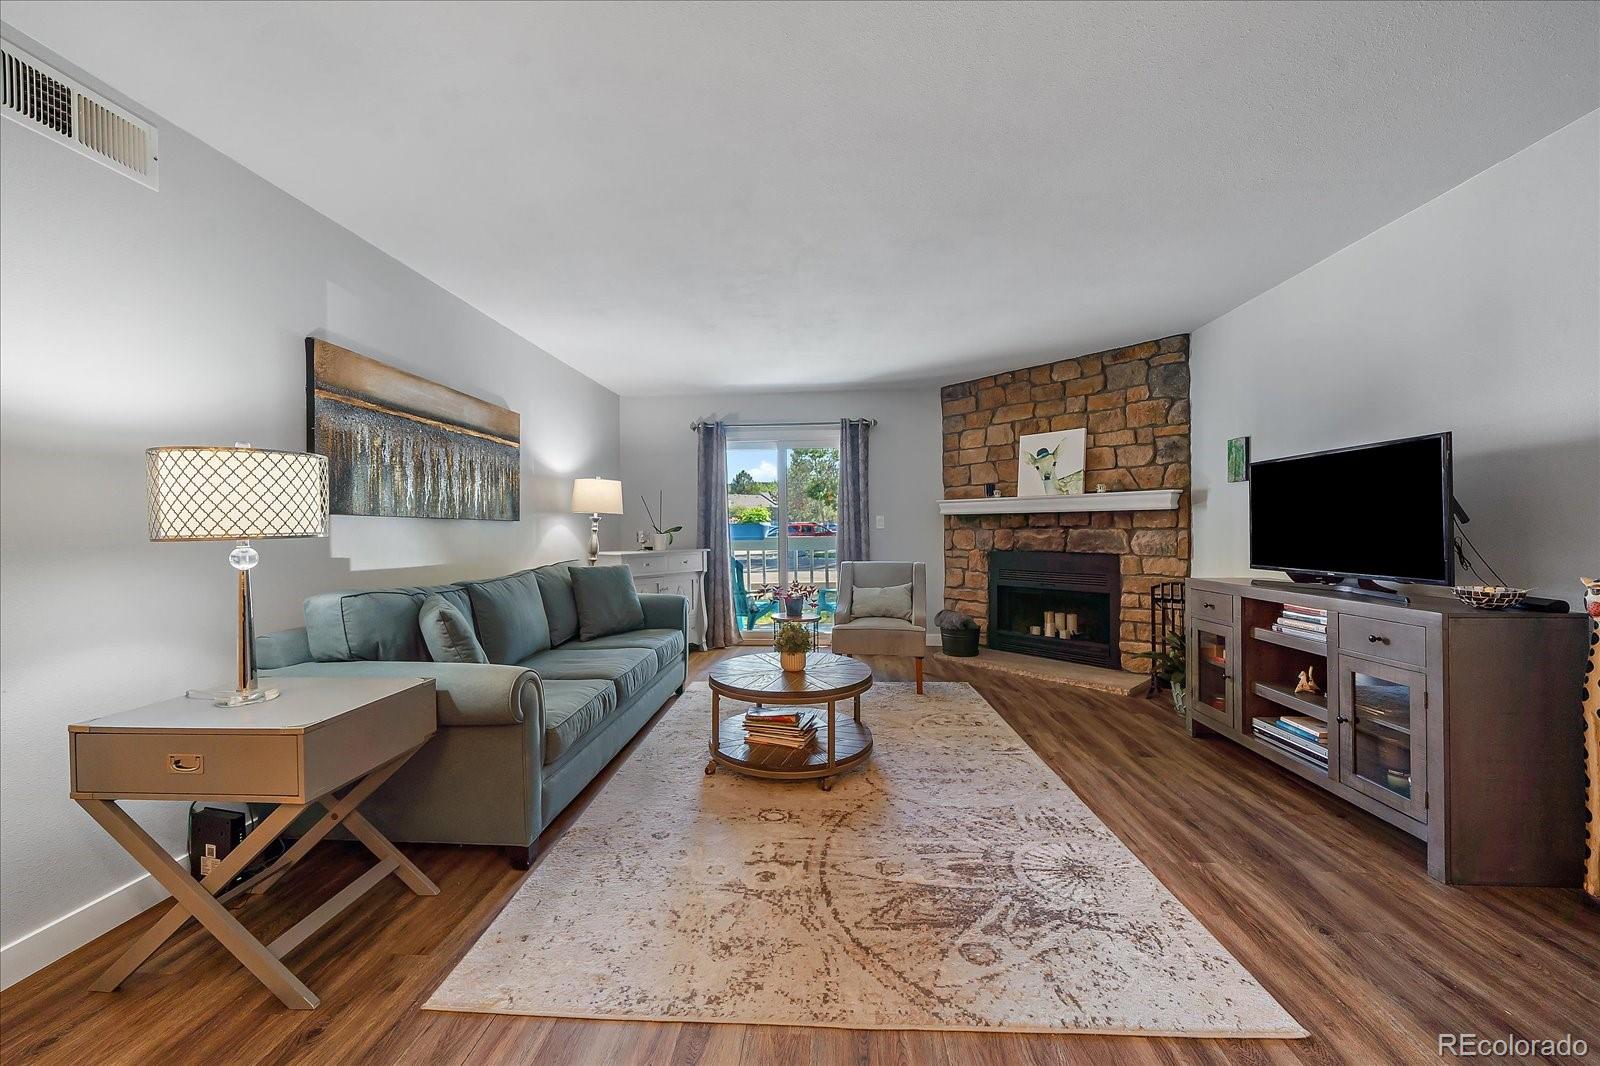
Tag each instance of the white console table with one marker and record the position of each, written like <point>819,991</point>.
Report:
<point>676,572</point>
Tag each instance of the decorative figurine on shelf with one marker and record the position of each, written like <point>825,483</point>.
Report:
<point>1308,682</point>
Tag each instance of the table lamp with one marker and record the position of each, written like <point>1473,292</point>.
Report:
<point>596,496</point>
<point>243,494</point>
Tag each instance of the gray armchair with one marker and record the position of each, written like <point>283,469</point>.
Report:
<point>883,636</point>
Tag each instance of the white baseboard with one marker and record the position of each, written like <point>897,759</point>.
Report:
<point>34,951</point>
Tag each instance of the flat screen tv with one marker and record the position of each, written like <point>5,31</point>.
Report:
<point>1378,511</point>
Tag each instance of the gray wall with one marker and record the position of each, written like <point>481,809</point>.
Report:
<point>131,318</point>
<point>904,473</point>
<point>1475,313</point>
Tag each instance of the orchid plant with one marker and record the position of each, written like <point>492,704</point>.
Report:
<point>661,509</point>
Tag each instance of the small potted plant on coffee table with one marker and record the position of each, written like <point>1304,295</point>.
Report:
<point>792,641</point>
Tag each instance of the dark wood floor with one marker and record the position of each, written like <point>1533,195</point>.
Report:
<point>1329,908</point>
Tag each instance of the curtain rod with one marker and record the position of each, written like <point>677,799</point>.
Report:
<point>783,425</point>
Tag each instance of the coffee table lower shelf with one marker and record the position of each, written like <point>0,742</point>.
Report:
<point>852,746</point>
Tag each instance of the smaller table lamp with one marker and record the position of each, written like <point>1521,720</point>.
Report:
<point>243,494</point>
<point>596,496</point>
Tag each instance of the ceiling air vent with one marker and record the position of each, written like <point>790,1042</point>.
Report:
<point>39,97</point>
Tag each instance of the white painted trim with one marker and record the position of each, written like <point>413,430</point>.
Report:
<point>1140,500</point>
<point>34,951</point>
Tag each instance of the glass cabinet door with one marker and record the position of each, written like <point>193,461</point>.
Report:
<point>1210,671</point>
<point>1381,719</point>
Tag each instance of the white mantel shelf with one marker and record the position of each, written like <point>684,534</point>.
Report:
<point>1141,500</point>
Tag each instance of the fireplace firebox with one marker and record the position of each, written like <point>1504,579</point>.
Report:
<point>1031,592</point>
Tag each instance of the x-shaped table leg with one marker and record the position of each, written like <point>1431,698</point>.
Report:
<point>262,961</point>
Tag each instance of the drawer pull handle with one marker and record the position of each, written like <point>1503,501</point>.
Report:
<point>186,764</point>
<point>1208,605</point>
<point>1373,638</point>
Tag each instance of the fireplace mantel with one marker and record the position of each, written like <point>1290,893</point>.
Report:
<point>1139,500</point>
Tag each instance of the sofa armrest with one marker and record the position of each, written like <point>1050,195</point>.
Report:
<point>469,694</point>
<point>665,611</point>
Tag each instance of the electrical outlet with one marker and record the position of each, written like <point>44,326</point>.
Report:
<point>877,522</point>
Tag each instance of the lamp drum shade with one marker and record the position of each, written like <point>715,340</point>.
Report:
<point>241,493</point>
<point>596,495</point>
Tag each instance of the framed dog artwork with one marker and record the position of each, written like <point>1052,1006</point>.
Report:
<point>1051,464</point>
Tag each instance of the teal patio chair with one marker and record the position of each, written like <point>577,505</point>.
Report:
<point>743,612</point>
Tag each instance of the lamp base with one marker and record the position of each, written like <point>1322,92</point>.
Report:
<point>232,697</point>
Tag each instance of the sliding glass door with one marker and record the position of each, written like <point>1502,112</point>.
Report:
<point>783,515</point>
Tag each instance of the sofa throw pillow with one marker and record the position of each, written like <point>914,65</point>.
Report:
<point>888,601</point>
<point>560,609</point>
<point>447,633</point>
<point>607,601</point>
<point>508,615</point>
<point>372,624</point>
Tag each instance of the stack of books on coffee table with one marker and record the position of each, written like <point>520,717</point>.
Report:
<point>780,728</point>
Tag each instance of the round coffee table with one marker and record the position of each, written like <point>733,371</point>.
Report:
<point>759,678</point>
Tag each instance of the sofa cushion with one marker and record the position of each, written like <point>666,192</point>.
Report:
<point>890,601</point>
<point>629,669</point>
<point>607,601</point>
<point>571,709</point>
<point>371,624</point>
<point>447,632</point>
<point>508,615</point>
<point>666,643</point>
<point>560,608</point>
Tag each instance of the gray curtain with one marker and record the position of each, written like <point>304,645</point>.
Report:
<point>854,521</point>
<point>712,524</point>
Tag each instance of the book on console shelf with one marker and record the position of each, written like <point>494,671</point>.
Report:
<point>1303,621</point>
<point>1279,737</point>
<point>1305,726</point>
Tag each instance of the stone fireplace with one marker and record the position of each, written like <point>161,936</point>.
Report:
<point>1133,402</point>
<point>1031,593</point>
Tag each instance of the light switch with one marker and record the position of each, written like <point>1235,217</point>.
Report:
<point>877,522</point>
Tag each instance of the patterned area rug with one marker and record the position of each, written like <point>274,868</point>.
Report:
<point>955,883</point>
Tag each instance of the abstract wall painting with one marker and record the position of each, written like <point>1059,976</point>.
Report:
<point>1051,464</point>
<point>1239,459</point>
<point>401,446</point>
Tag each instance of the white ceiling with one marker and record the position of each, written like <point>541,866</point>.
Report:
<point>676,198</point>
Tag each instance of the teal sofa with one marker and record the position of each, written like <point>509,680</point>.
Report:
<point>519,736</point>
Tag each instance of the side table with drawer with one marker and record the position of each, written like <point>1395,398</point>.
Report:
<point>325,742</point>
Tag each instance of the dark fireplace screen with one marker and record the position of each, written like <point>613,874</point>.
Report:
<point>1057,604</point>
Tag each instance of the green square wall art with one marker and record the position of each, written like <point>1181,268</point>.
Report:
<point>1239,459</point>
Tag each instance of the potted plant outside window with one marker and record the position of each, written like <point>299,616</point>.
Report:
<point>749,523</point>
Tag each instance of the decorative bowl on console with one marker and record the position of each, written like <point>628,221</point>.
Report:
<point>1490,597</point>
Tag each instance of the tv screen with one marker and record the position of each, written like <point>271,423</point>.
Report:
<point>1376,511</point>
